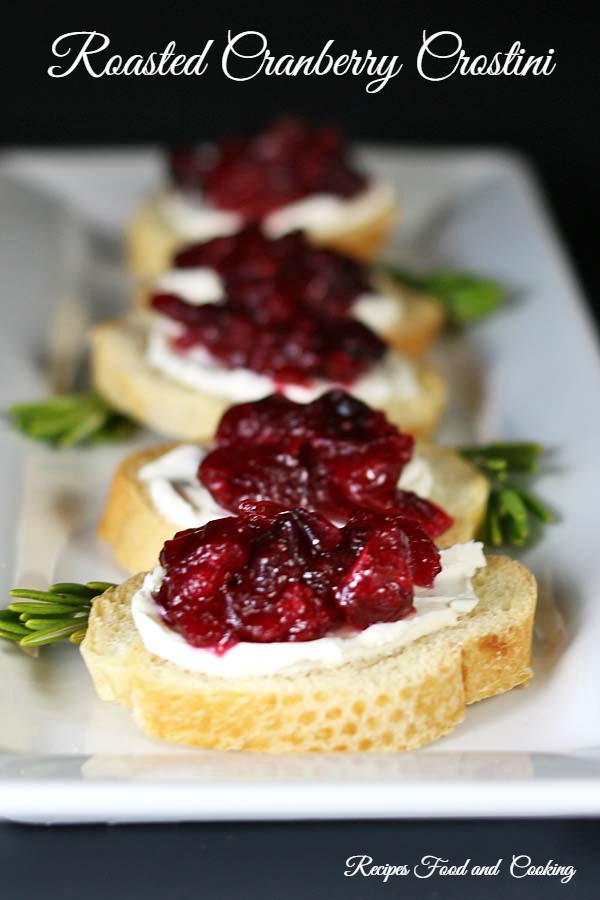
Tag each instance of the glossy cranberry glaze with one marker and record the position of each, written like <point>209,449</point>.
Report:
<point>254,176</point>
<point>275,278</point>
<point>272,575</point>
<point>296,350</point>
<point>334,455</point>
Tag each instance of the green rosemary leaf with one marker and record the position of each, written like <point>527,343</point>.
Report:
<point>31,594</point>
<point>59,403</point>
<point>48,597</point>
<point>510,506</point>
<point>499,466</point>
<point>83,429</point>
<point>51,636</point>
<point>37,607</point>
<point>9,636</point>
<point>72,589</point>
<point>71,419</point>
<point>35,618</point>
<point>536,507</point>
<point>100,586</point>
<point>7,615</point>
<point>13,627</point>
<point>37,623</point>
<point>494,524</point>
<point>467,298</point>
<point>517,532</point>
<point>43,614</point>
<point>116,429</point>
<point>506,447</point>
<point>78,636</point>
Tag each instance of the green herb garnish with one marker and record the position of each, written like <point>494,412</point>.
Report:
<point>466,298</point>
<point>511,509</point>
<point>61,613</point>
<point>70,419</point>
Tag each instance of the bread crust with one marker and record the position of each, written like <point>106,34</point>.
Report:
<point>384,703</point>
<point>122,376</point>
<point>150,242</point>
<point>136,531</point>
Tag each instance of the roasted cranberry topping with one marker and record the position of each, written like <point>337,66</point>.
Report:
<point>277,421</point>
<point>274,279</point>
<point>285,310</point>
<point>272,575</point>
<point>334,455</point>
<point>253,176</point>
<point>297,350</point>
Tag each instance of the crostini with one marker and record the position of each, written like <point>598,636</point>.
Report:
<point>330,455</point>
<point>177,366</point>
<point>269,277</point>
<point>278,631</point>
<point>289,176</point>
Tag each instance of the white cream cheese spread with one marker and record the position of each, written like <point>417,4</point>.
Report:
<point>194,220</point>
<point>451,596</point>
<point>198,285</point>
<point>320,214</point>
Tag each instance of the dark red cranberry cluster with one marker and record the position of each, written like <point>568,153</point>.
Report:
<point>334,455</point>
<point>273,279</point>
<point>284,313</point>
<point>300,350</point>
<point>271,575</point>
<point>254,176</point>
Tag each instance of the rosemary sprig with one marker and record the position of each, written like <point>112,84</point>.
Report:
<point>511,508</point>
<point>35,618</point>
<point>70,419</point>
<point>466,298</point>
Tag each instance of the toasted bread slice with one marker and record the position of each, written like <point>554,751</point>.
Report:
<point>122,375</point>
<point>383,703</point>
<point>136,530</point>
<point>151,242</point>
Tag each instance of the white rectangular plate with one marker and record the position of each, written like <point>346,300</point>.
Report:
<point>532,371</point>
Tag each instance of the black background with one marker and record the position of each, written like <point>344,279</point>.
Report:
<point>554,120</point>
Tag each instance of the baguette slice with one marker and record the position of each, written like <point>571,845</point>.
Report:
<point>151,242</point>
<point>413,333</point>
<point>121,374</point>
<point>384,703</point>
<point>136,532</point>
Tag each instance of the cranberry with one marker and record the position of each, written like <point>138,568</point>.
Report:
<point>423,555</point>
<point>258,474</point>
<point>350,473</point>
<point>429,515</point>
<point>333,455</point>
<point>280,596</point>
<point>274,421</point>
<point>272,575</point>
<point>198,562</point>
<point>378,587</point>
<point>253,176</point>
